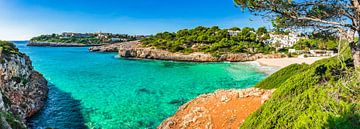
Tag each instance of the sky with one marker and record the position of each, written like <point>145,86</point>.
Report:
<point>23,19</point>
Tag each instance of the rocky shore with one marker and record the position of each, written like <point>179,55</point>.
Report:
<point>23,90</point>
<point>223,109</point>
<point>115,47</point>
<point>136,50</point>
<point>55,44</point>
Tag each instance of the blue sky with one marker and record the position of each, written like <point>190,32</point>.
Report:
<point>23,19</point>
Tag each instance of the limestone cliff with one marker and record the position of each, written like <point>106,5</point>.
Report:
<point>136,50</point>
<point>23,90</point>
<point>114,47</point>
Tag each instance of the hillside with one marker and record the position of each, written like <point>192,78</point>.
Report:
<point>69,39</point>
<point>212,40</point>
<point>322,95</point>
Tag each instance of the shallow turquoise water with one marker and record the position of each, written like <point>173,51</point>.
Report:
<point>98,90</point>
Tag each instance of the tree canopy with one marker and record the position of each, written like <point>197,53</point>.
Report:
<point>91,38</point>
<point>8,48</point>
<point>338,16</point>
<point>212,40</point>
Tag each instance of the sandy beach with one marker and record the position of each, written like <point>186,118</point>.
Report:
<point>283,62</point>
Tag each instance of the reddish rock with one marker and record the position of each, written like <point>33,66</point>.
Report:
<point>23,90</point>
<point>223,109</point>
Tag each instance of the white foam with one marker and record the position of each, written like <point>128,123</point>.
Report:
<point>266,69</point>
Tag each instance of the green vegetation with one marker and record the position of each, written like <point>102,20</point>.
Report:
<point>88,38</point>
<point>309,44</point>
<point>276,79</point>
<point>322,41</point>
<point>8,48</point>
<point>11,120</point>
<point>212,40</point>
<point>322,95</point>
<point>279,24</point>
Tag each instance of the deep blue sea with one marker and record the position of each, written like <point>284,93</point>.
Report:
<point>100,90</point>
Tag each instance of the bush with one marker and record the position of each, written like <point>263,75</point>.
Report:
<point>211,40</point>
<point>11,120</point>
<point>8,48</point>
<point>276,79</point>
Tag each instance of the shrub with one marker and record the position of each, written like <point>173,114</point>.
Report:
<point>323,95</point>
<point>11,120</point>
<point>8,48</point>
<point>276,79</point>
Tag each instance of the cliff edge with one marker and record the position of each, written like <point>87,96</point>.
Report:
<point>23,90</point>
<point>136,50</point>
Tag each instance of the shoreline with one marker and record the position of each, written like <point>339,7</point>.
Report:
<point>229,108</point>
<point>267,63</point>
<point>135,50</point>
<point>268,70</point>
<point>59,44</point>
<point>283,62</point>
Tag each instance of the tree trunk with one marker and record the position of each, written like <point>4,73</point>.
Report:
<point>355,48</point>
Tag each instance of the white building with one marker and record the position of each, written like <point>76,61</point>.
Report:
<point>233,32</point>
<point>313,53</point>
<point>281,41</point>
<point>318,53</point>
<point>76,35</point>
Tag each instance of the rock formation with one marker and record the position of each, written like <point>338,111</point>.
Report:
<point>114,47</point>
<point>23,90</point>
<point>134,49</point>
<point>223,109</point>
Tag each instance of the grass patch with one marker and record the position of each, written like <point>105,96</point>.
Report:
<point>276,79</point>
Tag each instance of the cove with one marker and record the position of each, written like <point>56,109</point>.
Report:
<point>99,90</point>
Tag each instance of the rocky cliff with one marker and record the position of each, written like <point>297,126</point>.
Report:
<point>114,47</point>
<point>223,109</point>
<point>136,50</point>
<point>23,90</point>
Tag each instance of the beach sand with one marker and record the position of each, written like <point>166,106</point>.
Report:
<point>283,62</point>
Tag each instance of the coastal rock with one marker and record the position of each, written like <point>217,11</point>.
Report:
<point>135,49</point>
<point>222,109</point>
<point>23,90</point>
<point>151,53</point>
<point>112,47</point>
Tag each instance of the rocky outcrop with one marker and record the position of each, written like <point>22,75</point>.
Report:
<point>114,47</point>
<point>136,50</point>
<point>223,109</point>
<point>23,90</point>
<point>55,44</point>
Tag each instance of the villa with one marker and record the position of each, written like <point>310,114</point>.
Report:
<point>313,53</point>
<point>282,41</point>
<point>233,32</point>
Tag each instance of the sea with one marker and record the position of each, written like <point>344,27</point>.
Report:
<point>102,90</point>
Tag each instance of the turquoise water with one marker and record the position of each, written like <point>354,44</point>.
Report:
<point>98,90</point>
